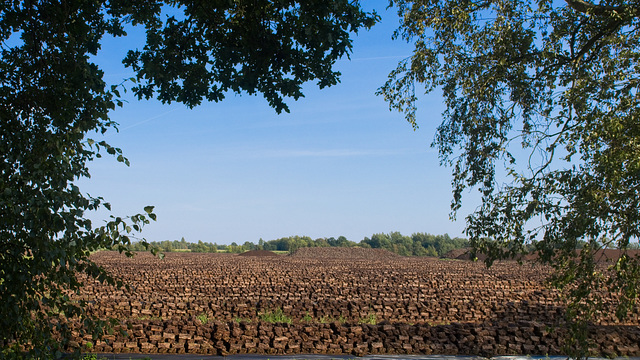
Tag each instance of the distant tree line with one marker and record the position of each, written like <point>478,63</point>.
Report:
<point>418,244</point>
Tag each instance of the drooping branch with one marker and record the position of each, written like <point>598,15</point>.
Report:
<point>594,42</point>
<point>594,9</point>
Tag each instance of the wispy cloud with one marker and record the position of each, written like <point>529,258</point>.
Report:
<point>327,153</point>
<point>318,153</point>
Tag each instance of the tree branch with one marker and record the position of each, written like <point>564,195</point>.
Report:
<point>589,8</point>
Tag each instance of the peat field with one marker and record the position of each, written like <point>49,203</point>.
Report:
<point>336,301</point>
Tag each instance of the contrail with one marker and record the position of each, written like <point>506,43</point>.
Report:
<point>149,119</point>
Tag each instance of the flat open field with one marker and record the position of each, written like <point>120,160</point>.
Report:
<point>358,303</point>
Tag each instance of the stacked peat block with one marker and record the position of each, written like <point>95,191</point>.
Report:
<point>487,339</point>
<point>213,304</point>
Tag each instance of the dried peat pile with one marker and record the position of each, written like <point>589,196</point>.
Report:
<point>215,304</point>
<point>258,253</point>
<point>457,254</point>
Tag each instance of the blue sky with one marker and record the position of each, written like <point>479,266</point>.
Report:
<point>340,163</point>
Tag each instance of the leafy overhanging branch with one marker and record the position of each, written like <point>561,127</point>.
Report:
<point>52,97</point>
<point>564,80</point>
<point>599,9</point>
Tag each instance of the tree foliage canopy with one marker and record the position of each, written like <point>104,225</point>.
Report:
<point>418,244</point>
<point>52,96</point>
<point>549,90</point>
